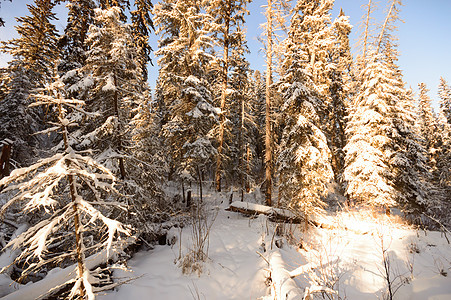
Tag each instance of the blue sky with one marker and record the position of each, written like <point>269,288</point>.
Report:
<point>424,37</point>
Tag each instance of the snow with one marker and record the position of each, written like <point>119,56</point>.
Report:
<point>233,271</point>
<point>341,258</point>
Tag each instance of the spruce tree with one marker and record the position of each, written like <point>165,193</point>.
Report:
<point>444,93</point>
<point>142,24</point>
<point>427,123</point>
<point>80,16</point>
<point>114,70</point>
<point>304,166</point>
<point>184,93</point>
<point>444,123</point>
<point>275,21</point>
<point>367,173</point>
<point>56,189</point>
<point>36,44</point>
<point>227,17</point>
<point>339,91</point>
<point>303,162</point>
<point>18,122</point>
<point>241,117</point>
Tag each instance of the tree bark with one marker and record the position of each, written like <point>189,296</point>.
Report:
<point>77,223</point>
<point>199,175</point>
<point>119,147</point>
<point>366,32</point>
<point>225,70</point>
<point>4,160</point>
<point>268,137</point>
<point>384,27</point>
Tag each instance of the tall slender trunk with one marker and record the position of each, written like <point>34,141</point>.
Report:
<point>119,147</point>
<point>243,175</point>
<point>77,223</point>
<point>268,136</point>
<point>225,70</point>
<point>384,27</point>
<point>248,166</point>
<point>366,32</point>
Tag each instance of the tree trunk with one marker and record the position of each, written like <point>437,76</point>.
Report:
<point>4,160</point>
<point>225,70</point>
<point>268,137</point>
<point>77,223</point>
<point>248,167</point>
<point>183,191</point>
<point>243,169</point>
<point>200,182</point>
<point>384,27</point>
<point>119,147</point>
<point>188,199</point>
<point>366,32</point>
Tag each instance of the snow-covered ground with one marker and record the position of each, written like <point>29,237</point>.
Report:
<point>345,257</point>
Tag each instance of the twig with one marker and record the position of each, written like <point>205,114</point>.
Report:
<point>445,230</point>
<point>264,258</point>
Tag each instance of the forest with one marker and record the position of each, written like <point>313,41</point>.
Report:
<point>96,166</point>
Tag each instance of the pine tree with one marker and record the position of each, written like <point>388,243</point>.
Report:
<point>275,21</point>
<point>367,172</point>
<point>142,24</point>
<point>183,87</point>
<point>80,16</point>
<point>36,45</point>
<point>444,92</point>
<point>427,123</point>
<point>227,16</point>
<point>116,77</point>
<point>339,91</point>
<point>444,122</point>
<point>17,121</point>
<point>58,186</point>
<point>304,160</point>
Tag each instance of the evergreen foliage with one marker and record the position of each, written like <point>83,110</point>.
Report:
<point>183,86</point>
<point>56,189</point>
<point>36,44</point>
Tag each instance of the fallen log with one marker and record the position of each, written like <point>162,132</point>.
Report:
<point>274,214</point>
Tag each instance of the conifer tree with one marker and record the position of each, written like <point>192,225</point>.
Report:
<point>310,33</point>
<point>367,172</point>
<point>427,123</point>
<point>115,74</point>
<point>242,116</point>
<point>59,186</point>
<point>444,93</point>
<point>80,16</point>
<point>36,44</point>
<point>444,123</point>
<point>184,92</point>
<point>275,21</point>
<point>18,122</point>
<point>303,162</point>
<point>227,16</point>
<point>339,91</point>
<point>142,24</point>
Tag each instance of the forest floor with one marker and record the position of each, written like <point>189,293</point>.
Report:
<point>347,256</point>
<point>251,258</point>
